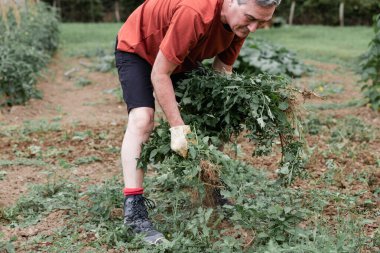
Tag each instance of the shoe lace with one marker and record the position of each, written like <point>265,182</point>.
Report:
<point>149,203</point>
<point>140,207</point>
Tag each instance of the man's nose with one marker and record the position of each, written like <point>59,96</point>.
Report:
<point>252,27</point>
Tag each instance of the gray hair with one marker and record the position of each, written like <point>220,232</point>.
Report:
<point>263,3</point>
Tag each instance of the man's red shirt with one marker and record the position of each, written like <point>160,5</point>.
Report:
<point>186,31</point>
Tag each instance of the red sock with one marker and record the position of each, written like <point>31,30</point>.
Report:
<point>133,191</point>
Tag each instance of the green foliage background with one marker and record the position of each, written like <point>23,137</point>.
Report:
<point>325,12</point>
<point>93,10</point>
<point>357,12</point>
<point>25,47</point>
<point>261,56</point>
<point>370,68</point>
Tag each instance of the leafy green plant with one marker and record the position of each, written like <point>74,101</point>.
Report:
<point>332,170</point>
<point>87,160</point>
<point>7,246</point>
<point>25,47</point>
<point>24,162</point>
<point>117,92</point>
<point>370,68</point>
<point>313,124</point>
<point>43,199</point>
<point>82,82</point>
<point>347,239</point>
<point>104,60</point>
<point>81,136</point>
<point>30,127</point>
<point>263,106</point>
<point>259,56</point>
<point>3,174</point>
<point>105,63</point>
<point>351,129</point>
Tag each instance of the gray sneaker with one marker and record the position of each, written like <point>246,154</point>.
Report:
<point>136,218</point>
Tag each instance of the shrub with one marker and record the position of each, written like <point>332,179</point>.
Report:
<point>25,48</point>
<point>370,68</point>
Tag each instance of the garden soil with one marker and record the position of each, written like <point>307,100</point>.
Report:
<point>94,107</point>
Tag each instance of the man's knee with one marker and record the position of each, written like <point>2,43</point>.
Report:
<point>141,119</point>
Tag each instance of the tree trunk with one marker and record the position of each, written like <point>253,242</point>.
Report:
<point>57,6</point>
<point>291,16</point>
<point>341,13</point>
<point>92,11</point>
<point>117,11</point>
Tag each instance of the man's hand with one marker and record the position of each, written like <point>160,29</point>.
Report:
<point>179,142</point>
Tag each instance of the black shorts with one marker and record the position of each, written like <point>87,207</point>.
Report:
<point>134,75</point>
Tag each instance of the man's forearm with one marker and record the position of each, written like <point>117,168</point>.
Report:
<point>165,96</point>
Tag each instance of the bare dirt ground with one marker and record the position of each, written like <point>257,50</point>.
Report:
<point>90,105</point>
<point>92,108</point>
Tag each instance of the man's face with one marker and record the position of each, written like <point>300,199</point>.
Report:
<point>247,17</point>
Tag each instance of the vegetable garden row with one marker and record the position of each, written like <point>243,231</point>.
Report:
<point>258,106</point>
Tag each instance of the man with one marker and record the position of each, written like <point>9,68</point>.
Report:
<point>159,40</point>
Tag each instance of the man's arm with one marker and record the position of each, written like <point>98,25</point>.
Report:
<point>221,67</point>
<point>163,88</point>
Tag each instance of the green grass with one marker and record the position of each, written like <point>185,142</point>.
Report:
<point>84,38</point>
<point>322,43</point>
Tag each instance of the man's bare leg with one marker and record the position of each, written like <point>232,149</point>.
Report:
<point>140,125</point>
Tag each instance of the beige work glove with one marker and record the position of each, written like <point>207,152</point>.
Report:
<point>179,142</point>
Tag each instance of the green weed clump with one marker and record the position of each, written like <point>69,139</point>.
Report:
<point>26,43</point>
<point>262,107</point>
<point>370,68</point>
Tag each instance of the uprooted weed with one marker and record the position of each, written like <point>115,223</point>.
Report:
<point>265,106</point>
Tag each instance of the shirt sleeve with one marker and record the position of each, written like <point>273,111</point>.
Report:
<point>185,30</point>
<point>230,55</point>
